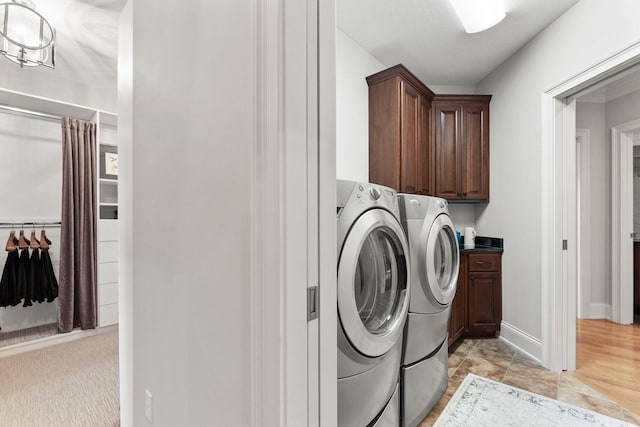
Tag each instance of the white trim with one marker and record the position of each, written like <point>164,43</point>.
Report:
<point>599,311</point>
<point>293,362</point>
<point>583,151</point>
<point>37,344</point>
<point>522,340</point>
<point>622,221</point>
<point>553,285</point>
<point>570,233</point>
<point>326,219</point>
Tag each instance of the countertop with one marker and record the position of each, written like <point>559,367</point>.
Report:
<point>485,244</point>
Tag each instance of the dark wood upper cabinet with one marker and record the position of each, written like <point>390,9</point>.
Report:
<point>400,149</point>
<point>424,143</point>
<point>461,142</point>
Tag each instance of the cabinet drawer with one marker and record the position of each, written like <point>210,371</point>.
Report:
<point>484,262</point>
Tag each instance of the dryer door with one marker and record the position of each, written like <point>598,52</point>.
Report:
<point>373,283</point>
<point>441,259</point>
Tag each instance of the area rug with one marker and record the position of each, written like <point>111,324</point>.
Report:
<point>483,402</point>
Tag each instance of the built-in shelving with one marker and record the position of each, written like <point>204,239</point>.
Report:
<point>107,187</point>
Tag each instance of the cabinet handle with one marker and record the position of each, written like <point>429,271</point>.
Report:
<point>459,194</point>
<point>464,194</point>
<point>483,263</point>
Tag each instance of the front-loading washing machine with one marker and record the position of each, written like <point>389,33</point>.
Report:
<point>373,301</point>
<point>434,261</point>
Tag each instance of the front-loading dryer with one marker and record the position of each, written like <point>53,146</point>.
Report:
<point>373,301</point>
<point>435,260</point>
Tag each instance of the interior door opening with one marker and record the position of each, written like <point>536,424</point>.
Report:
<point>559,206</point>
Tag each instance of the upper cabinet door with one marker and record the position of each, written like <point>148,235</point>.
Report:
<point>425,148</point>
<point>475,152</point>
<point>461,140</point>
<point>400,151</point>
<point>447,147</point>
<point>409,138</point>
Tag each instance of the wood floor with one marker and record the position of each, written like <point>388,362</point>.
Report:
<point>608,360</point>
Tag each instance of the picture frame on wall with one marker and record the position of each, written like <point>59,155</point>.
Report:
<point>108,162</point>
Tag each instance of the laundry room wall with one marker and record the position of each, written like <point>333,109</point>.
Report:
<point>353,65</point>
<point>592,116</point>
<point>190,301</point>
<point>30,190</point>
<point>565,48</point>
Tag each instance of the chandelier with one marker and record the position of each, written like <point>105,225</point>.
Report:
<point>26,37</point>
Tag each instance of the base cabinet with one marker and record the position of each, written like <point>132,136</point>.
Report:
<point>476,310</point>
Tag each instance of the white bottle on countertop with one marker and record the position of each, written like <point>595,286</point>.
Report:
<point>469,238</point>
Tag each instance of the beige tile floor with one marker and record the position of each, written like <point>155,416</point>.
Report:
<point>496,360</point>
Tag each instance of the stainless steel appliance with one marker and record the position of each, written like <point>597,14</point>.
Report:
<point>373,301</point>
<point>435,260</point>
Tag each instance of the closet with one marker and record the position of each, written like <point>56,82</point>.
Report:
<point>31,149</point>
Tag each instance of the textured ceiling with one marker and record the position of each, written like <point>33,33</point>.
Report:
<point>427,37</point>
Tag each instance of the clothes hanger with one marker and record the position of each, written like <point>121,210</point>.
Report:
<point>44,242</point>
<point>12,242</point>
<point>33,242</point>
<point>22,241</point>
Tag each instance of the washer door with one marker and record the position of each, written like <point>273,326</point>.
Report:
<point>373,283</point>
<point>441,259</point>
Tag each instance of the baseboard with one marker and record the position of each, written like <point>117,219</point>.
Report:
<point>599,311</point>
<point>39,343</point>
<point>522,340</point>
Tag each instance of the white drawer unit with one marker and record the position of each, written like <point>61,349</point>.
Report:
<point>108,258</point>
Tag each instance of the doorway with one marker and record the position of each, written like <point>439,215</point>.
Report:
<point>560,211</point>
<point>622,219</point>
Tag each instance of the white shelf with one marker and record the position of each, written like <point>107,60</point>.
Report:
<point>108,181</point>
<point>108,204</point>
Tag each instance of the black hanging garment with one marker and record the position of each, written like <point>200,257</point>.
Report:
<point>23,278</point>
<point>9,282</point>
<point>22,270</point>
<point>48,276</point>
<point>34,282</point>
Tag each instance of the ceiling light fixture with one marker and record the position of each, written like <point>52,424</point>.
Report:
<point>477,15</point>
<point>26,37</point>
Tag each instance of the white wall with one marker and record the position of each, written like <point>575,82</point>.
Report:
<point>353,65</point>
<point>622,110</point>
<point>31,191</point>
<point>592,116</point>
<point>464,215</point>
<point>193,130</point>
<point>565,48</point>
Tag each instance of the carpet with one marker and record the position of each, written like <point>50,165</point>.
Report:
<point>483,402</point>
<point>74,384</point>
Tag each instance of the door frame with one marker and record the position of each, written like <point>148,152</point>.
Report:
<point>293,357</point>
<point>558,208</point>
<point>583,193</point>
<point>622,142</point>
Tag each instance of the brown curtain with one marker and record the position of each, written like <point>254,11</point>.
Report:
<point>78,263</point>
